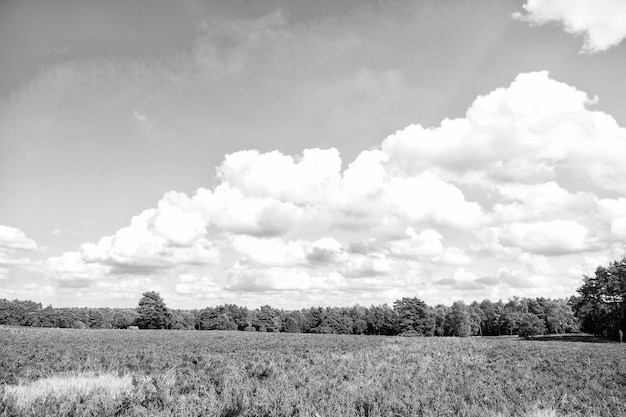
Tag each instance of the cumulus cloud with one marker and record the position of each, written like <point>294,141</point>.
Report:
<point>536,130</point>
<point>192,285</point>
<point>517,188</point>
<point>426,244</point>
<point>272,174</point>
<point>231,210</point>
<point>252,279</point>
<point>602,22</point>
<point>548,238</point>
<point>14,238</point>
<point>157,238</point>
<point>70,270</point>
<point>270,252</point>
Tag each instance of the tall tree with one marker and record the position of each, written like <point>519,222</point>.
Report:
<point>414,316</point>
<point>531,325</point>
<point>152,312</point>
<point>602,303</point>
<point>459,320</point>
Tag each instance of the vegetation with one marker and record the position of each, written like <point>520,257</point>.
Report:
<point>408,316</point>
<point>152,313</point>
<point>110,372</point>
<point>190,373</point>
<point>601,307</point>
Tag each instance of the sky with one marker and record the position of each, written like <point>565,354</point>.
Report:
<point>299,153</point>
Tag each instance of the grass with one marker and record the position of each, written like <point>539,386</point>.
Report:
<point>67,388</point>
<point>191,373</point>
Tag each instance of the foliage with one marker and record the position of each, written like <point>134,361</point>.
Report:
<point>152,312</point>
<point>601,307</point>
<point>531,325</point>
<point>414,315</point>
<point>459,321</point>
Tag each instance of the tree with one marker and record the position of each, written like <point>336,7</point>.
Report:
<point>414,316</point>
<point>459,320</point>
<point>531,325</point>
<point>152,312</point>
<point>601,307</point>
<point>267,319</point>
<point>440,311</point>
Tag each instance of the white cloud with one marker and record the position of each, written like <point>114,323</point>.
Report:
<point>250,279</point>
<point>455,256</point>
<point>603,22</point>
<point>519,184</point>
<point>270,252</point>
<point>231,210</point>
<point>192,285</point>
<point>541,201</point>
<point>549,238</point>
<point>300,181</point>
<point>326,250</point>
<point>71,270</point>
<point>372,265</point>
<point>153,241</point>
<point>14,238</point>
<point>614,212</point>
<point>140,117</point>
<point>426,244</point>
<point>534,131</point>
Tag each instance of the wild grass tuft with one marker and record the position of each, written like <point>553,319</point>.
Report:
<point>66,388</point>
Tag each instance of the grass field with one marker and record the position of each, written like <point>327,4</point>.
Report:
<point>193,373</point>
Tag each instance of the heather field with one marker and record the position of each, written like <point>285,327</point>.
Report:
<point>209,373</point>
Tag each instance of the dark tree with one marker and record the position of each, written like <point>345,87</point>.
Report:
<point>531,325</point>
<point>152,312</point>
<point>601,307</point>
<point>414,316</point>
<point>459,320</point>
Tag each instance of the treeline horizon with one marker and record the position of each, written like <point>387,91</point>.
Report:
<point>600,309</point>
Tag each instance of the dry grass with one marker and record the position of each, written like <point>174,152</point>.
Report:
<point>228,374</point>
<point>68,387</point>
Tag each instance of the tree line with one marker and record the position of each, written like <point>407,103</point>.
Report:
<point>600,308</point>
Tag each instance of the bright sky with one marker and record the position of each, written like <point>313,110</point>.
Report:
<point>300,153</point>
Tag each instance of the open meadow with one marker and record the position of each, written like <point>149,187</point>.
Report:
<point>189,373</point>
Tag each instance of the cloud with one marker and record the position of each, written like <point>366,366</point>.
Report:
<point>231,210</point>
<point>372,265</point>
<point>534,131</point>
<point>524,183</point>
<point>614,211</point>
<point>269,252</point>
<point>282,177</point>
<point>602,22</point>
<point>156,239</point>
<point>251,279</point>
<point>14,238</point>
<point>455,256</point>
<point>140,117</point>
<point>426,244</point>
<point>326,250</point>
<point>70,270</point>
<point>547,238</point>
<point>192,285</point>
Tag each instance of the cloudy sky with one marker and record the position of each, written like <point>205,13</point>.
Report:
<point>300,153</point>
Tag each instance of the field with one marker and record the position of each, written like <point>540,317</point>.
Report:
<point>194,373</point>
